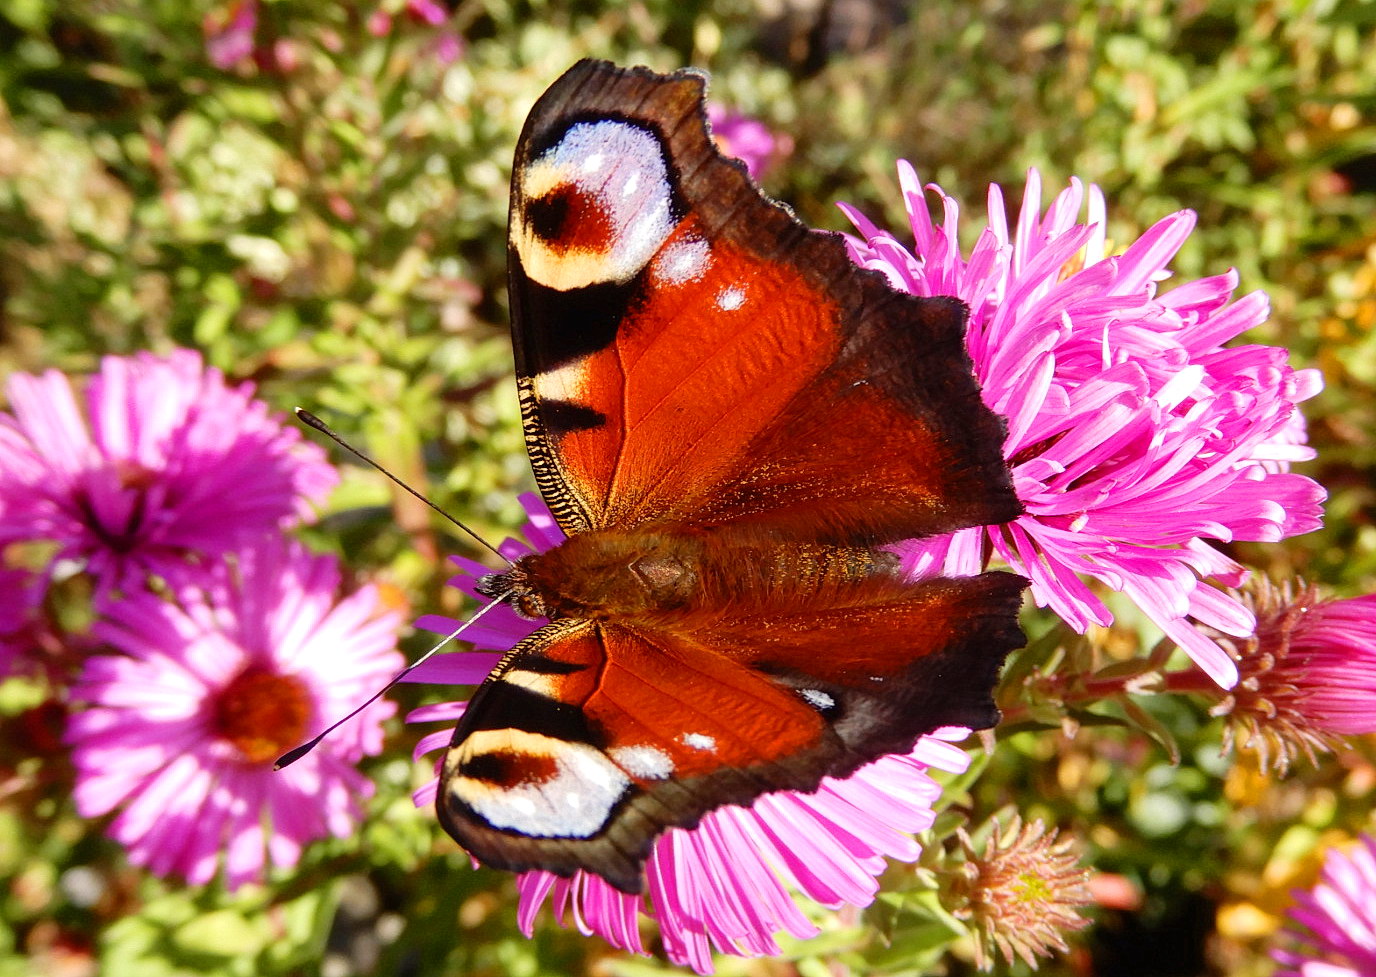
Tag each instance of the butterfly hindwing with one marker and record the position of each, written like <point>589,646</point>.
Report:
<point>687,350</point>
<point>594,737</point>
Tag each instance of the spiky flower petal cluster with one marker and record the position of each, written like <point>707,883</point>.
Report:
<point>1307,674</point>
<point>1021,891</point>
<point>1136,439</point>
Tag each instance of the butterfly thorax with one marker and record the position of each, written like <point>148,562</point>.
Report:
<point>664,573</point>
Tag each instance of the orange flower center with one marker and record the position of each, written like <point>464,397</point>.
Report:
<point>262,713</point>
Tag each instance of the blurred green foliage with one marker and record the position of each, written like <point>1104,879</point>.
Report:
<point>325,217</point>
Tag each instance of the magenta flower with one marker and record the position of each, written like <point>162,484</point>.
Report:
<point>1333,649</point>
<point>729,884</point>
<point>19,596</point>
<point>229,33</point>
<point>181,728</point>
<point>166,463</point>
<point>1331,929</point>
<point>1307,674</point>
<point>1135,438</point>
<point>748,140</point>
<point>426,12</point>
<point>446,46</point>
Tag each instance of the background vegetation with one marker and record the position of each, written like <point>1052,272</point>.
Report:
<point>326,217</point>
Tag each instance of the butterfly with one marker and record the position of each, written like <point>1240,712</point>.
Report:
<point>729,420</point>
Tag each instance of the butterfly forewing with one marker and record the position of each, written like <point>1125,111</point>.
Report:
<point>687,350</point>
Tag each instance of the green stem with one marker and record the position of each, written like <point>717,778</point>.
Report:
<point>1190,681</point>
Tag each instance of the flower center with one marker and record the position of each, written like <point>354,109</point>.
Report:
<point>262,713</point>
<point>132,475</point>
<point>122,533</point>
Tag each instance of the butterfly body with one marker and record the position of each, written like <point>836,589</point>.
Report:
<point>678,575</point>
<point>729,421</point>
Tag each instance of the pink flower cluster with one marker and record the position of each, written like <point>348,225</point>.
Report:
<point>747,139</point>
<point>231,35</point>
<point>447,45</point>
<point>1331,929</point>
<point>162,466</point>
<point>229,644</point>
<point>1136,439</point>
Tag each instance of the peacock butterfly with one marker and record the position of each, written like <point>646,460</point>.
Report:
<point>728,419</point>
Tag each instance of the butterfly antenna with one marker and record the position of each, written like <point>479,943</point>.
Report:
<point>310,420</point>
<point>291,756</point>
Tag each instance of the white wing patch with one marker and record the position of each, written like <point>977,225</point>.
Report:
<point>731,299</point>
<point>537,682</point>
<point>643,762</point>
<point>573,800</point>
<point>685,260</point>
<point>567,382</point>
<point>699,741</point>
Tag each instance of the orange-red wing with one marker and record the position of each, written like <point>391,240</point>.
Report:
<point>593,737</point>
<point>688,351</point>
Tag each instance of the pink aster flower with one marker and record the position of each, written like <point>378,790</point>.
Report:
<point>426,12</point>
<point>448,48</point>
<point>748,140</point>
<point>729,884</point>
<point>1331,929</point>
<point>1307,674</point>
<point>165,463</point>
<point>1136,439</point>
<point>445,46</point>
<point>229,33</point>
<point>181,728</point>
<point>1334,647</point>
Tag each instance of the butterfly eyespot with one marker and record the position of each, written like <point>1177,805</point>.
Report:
<point>595,207</point>
<point>567,219</point>
<point>534,785</point>
<point>507,769</point>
